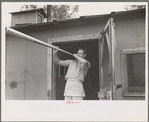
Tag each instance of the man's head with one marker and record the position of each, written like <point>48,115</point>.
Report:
<point>81,52</point>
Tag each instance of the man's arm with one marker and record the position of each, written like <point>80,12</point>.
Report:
<point>58,61</point>
<point>82,60</point>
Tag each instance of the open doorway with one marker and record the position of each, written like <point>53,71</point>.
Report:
<point>91,82</point>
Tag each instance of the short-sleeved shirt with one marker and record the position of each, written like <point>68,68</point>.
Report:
<point>75,76</point>
<point>76,70</point>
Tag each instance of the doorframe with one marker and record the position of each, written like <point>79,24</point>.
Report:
<point>51,68</point>
<point>111,44</point>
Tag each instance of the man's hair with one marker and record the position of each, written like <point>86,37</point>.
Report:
<point>84,49</point>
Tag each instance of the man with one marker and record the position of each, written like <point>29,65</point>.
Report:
<point>77,70</point>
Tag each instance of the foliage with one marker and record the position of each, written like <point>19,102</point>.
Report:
<point>134,7</point>
<point>58,12</point>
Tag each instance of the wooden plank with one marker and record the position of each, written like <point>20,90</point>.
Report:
<point>49,72</point>
<point>100,71</point>
<point>77,38</point>
<point>113,35</point>
<point>136,94</point>
<point>101,77</point>
<point>112,61</point>
<point>103,38</point>
<point>133,50</point>
<point>100,37</point>
<point>107,25</point>
<point>102,50</point>
<point>137,89</point>
<point>108,41</point>
<point>54,80</point>
<point>124,74</point>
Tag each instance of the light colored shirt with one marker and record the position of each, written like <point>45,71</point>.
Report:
<point>76,70</point>
<point>75,76</point>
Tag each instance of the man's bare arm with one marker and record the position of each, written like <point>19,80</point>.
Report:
<point>82,60</point>
<point>58,61</point>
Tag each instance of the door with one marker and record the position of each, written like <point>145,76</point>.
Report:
<point>107,44</point>
<point>91,81</point>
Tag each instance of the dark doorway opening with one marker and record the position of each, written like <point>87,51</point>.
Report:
<point>91,82</point>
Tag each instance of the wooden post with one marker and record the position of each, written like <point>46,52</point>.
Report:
<point>112,62</point>
<point>99,51</point>
<point>49,72</point>
<point>54,80</point>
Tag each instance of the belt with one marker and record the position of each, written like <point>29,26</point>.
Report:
<point>73,80</point>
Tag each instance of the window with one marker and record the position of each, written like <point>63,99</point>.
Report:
<point>62,71</point>
<point>136,72</point>
<point>133,72</point>
<point>39,18</point>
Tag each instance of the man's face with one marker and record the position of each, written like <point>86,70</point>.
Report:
<point>81,53</point>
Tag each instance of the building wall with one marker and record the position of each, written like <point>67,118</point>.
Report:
<point>15,67</point>
<point>79,27</point>
<point>23,18</point>
<point>26,63</point>
<point>34,57</point>
<point>129,34</point>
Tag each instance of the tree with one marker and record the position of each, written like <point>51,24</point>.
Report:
<point>58,12</point>
<point>134,7</point>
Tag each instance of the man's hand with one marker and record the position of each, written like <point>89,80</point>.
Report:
<point>56,49</point>
<point>75,55</point>
<point>82,60</point>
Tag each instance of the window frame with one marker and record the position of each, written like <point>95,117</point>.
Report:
<point>38,14</point>
<point>124,75</point>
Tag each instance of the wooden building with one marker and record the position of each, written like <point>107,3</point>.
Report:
<point>115,46</point>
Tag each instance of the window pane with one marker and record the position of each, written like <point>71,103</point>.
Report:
<point>136,71</point>
<point>39,18</point>
<point>62,71</point>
